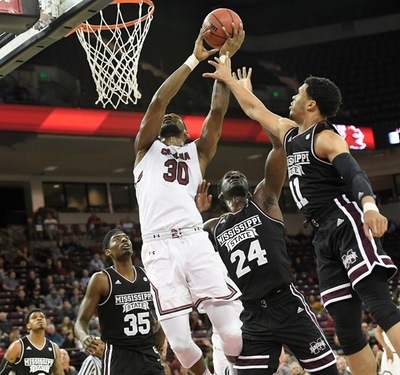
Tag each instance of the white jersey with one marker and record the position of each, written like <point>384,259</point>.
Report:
<point>166,182</point>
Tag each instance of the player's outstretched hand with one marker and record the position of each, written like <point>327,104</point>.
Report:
<point>375,224</point>
<point>200,52</point>
<point>203,199</point>
<point>243,76</point>
<point>222,69</point>
<point>232,44</point>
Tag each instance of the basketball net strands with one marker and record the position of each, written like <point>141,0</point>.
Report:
<point>113,48</point>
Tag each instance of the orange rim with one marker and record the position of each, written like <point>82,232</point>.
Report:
<point>94,28</point>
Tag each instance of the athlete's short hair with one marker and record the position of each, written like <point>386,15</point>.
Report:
<point>30,312</point>
<point>325,93</point>
<point>107,238</point>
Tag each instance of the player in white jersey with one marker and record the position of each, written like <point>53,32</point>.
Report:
<point>178,256</point>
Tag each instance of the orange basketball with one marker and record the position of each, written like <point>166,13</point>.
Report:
<point>218,18</point>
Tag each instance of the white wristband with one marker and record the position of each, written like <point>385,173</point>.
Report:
<point>191,62</point>
<point>369,206</point>
<point>222,58</point>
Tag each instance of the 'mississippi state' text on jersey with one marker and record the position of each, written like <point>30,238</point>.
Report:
<point>252,247</point>
<point>314,182</point>
<point>125,318</point>
<point>33,360</point>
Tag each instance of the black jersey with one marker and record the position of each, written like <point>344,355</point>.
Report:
<point>33,360</point>
<point>314,182</point>
<point>252,247</point>
<point>125,318</point>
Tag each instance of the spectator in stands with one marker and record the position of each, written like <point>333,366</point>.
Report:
<point>21,301</point>
<point>51,227</point>
<point>47,285</point>
<point>296,368</point>
<point>53,335</point>
<point>126,224</point>
<point>93,225</point>
<point>60,270</point>
<point>72,344</point>
<point>94,326</point>
<point>378,354</point>
<point>20,257</point>
<point>39,227</point>
<point>369,334</point>
<point>38,300</point>
<point>61,293</point>
<point>53,300</point>
<point>67,325</point>
<point>2,270</point>
<point>55,251</point>
<point>5,324</point>
<point>95,264</point>
<point>15,334</point>
<point>29,229</point>
<point>300,267</point>
<point>4,340</point>
<point>65,360</point>
<point>69,281</point>
<point>48,269</point>
<point>196,324</point>
<point>10,282</point>
<point>85,279</point>
<point>341,364</point>
<point>30,283</point>
<point>67,310</point>
<point>76,298</point>
<point>284,368</point>
<point>315,304</point>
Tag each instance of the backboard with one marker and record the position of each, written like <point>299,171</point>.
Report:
<point>57,19</point>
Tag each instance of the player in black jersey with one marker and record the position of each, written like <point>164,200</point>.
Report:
<point>250,241</point>
<point>121,295</point>
<point>33,354</point>
<point>335,196</point>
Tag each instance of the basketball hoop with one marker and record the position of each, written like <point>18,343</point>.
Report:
<point>113,51</point>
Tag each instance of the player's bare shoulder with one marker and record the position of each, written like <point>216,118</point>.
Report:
<point>99,283</point>
<point>14,352</point>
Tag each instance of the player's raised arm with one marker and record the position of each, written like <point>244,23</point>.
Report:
<point>212,126</point>
<point>153,118</point>
<point>251,105</point>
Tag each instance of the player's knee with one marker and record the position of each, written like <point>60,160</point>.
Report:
<point>188,353</point>
<point>374,291</point>
<point>231,339</point>
<point>347,320</point>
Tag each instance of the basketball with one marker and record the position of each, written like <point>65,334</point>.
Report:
<point>218,18</point>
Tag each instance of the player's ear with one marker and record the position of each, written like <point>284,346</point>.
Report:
<point>312,105</point>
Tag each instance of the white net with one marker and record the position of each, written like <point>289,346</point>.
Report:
<point>113,52</point>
